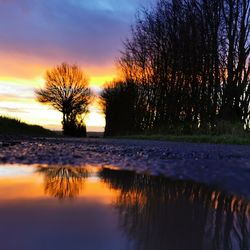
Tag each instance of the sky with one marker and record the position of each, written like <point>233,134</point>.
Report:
<point>36,35</point>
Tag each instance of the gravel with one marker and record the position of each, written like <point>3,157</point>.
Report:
<point>226,167</point>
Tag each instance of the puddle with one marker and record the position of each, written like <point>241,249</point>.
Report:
<point>63,207</point>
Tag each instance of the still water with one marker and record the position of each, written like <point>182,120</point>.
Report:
<point>64,207</point>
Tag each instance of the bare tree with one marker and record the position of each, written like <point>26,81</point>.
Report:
<point>66,89</point>
<point>190,63</point>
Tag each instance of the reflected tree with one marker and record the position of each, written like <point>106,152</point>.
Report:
<point>158,213</point>
<point>62,181</point>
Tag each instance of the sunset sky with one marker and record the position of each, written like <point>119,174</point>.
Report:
<point>36,35</point>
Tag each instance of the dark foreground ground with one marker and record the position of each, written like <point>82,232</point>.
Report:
<point>226,167</point>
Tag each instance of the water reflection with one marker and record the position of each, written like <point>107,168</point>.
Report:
<point>115,210</point>
<point>158,213</point>
<point>64,181</point>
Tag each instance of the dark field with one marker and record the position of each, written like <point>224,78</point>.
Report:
<point>13,126</point>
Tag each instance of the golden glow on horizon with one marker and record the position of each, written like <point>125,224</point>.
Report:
<point>17,100</point>
<point>99,81</point>
<point>36,82</point>
<point>95,119</point>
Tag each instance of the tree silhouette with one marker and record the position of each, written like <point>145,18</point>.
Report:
<point>190,63</point>
<point>117,101</point>
<point>66,89</point>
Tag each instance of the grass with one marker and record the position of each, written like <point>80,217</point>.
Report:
<point>199,138</point>
<point>225,132</point>
<point>13,126</point>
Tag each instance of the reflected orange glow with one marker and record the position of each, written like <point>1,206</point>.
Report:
<point>31,185</point>
<point>135,204</point>
<point>32,188</point>
<point>21,188</point>
<point>99,191</point>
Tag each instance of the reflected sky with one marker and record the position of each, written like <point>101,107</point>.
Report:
<point>65,207</point>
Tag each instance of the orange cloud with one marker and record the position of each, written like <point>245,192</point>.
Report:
<point>22,74</point>
<point>30,70</point>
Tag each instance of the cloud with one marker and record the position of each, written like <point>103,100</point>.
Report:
<point>36,35</point>
<point>12,110</point>
<point>74,30</point>
<point>14,90</point>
